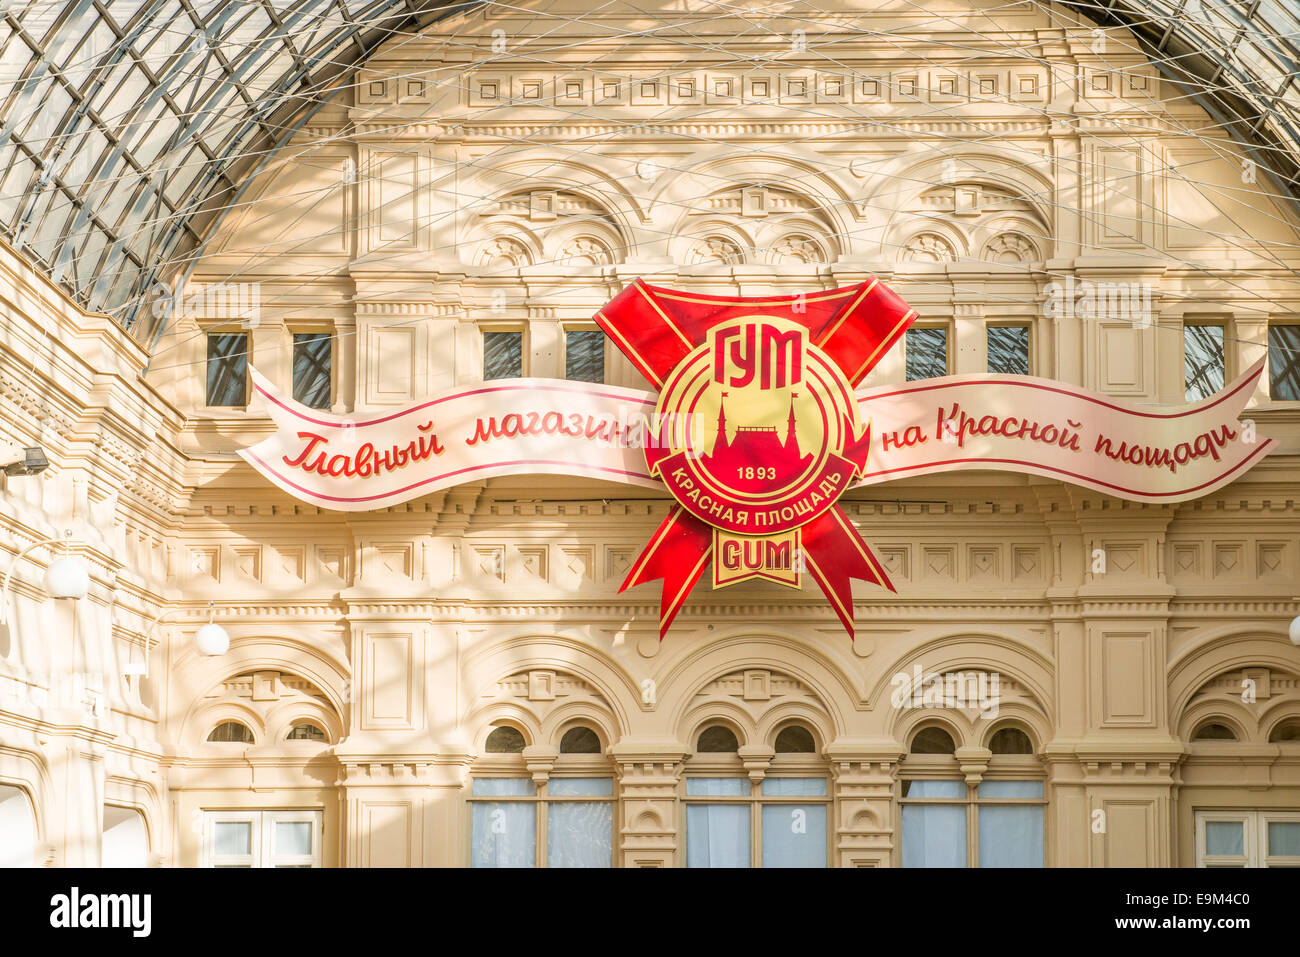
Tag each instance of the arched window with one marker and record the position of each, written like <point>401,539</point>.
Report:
<point>306,731</point>
<point>1286,732</point>
<point>791,803</point>
<point>1010,741</point>
<point>17,828</point>
<point>505,740</point>
<point>717,739</point>
<point>562,819</point>
<point>1214,731</point>
<point>795,739</point>
<point>942,809</point>
<point>125,841</point>
<point>580,740</point>
<point>932,741</point>
<point>231,732</point>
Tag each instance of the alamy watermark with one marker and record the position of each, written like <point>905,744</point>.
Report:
<point>961,690</point>
<point>1090,299</point>
<point>239,302</point>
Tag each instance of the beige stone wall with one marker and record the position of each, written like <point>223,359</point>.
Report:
<point>408,633</point>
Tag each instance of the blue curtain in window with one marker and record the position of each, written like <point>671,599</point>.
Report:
<point>1011,836</point>
<point>504,834</point>
<point>717,835</point>
<point>580,833</point>
<point>934,836</point>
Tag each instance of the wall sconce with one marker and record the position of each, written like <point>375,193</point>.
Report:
<point>66,576</point>
<point>1295,630</point>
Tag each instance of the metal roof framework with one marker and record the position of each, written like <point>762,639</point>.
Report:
<point>127,126</point>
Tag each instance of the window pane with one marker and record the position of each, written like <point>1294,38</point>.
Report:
<point>504,787</point>
<point>580,740</point>
<point>1203,368</point>
<point>1284,363</point>
<point>717,835</point>
<point>232,837</point>
<point>584,355</point>
<point>717,740</point>
<point>778,787</point>
<point>504,835</point>
<point>227,369</point>
<point>926,353</point>
<point>580,834</point>
<point>795,740</point>
<point>934,789</point>
<point>1284,837</point>
<point>1010,741</point>
<point>794,835</point>
<point>934,836</point>
<point>717,787</point>
<point>933,741</point>
<point>1011,789</point>
<point>503,355</point>
<point>1010,836</point>
<point>505,740</point>
<point>292,837</point>
<point>1214,732</point>
<point>231,732</point>
<point>1224,837</point>
<point>586,787</point>
<point>312,355</point>
<point>1009,350</point>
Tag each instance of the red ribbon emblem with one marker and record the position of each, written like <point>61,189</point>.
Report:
<point>756,434</point>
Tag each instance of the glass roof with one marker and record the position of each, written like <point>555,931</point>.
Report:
<point>126,126</point>
<point>1239,58</point>
<point>125,122</point>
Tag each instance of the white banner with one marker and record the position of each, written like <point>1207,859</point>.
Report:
<point>1044,427</point>
<point>559,427</point>
<point>510,427</point>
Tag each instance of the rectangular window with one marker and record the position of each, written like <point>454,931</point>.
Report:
<point>926,353</point>
<point>1248,838</point>
<point>262,838</point>
<point>934,835</point>
<point>1010,834</point>
<point>227,369</point>
<point>572,818</point>
<point>793,816</point>
<point>503,355</point>
<point>794,833</point>
<point>584,355</point>
<point>1008,350</point>
<point>504,832</point>
<point>313,354</point>
<point>580,833</point>
<point>1005,817</point>
<point>1204,370</point>
<point>717,835</point>
<point>1284,363</point>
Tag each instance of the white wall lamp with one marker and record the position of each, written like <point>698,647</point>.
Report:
<point>212,639</point>
<point>140,669</point>
<point>65,577</point>
<point>1294,630</point>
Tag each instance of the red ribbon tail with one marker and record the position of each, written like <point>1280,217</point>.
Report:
<point>835,554</point>
<point>678,552</point>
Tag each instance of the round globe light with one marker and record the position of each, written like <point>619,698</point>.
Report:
<point>212,639</point>
<point>67,577</point>
<point>1295,630</point>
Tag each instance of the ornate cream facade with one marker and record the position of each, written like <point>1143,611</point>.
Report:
<point>452,189</point>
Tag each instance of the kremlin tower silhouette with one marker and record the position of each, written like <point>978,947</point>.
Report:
<point>755,447</point>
